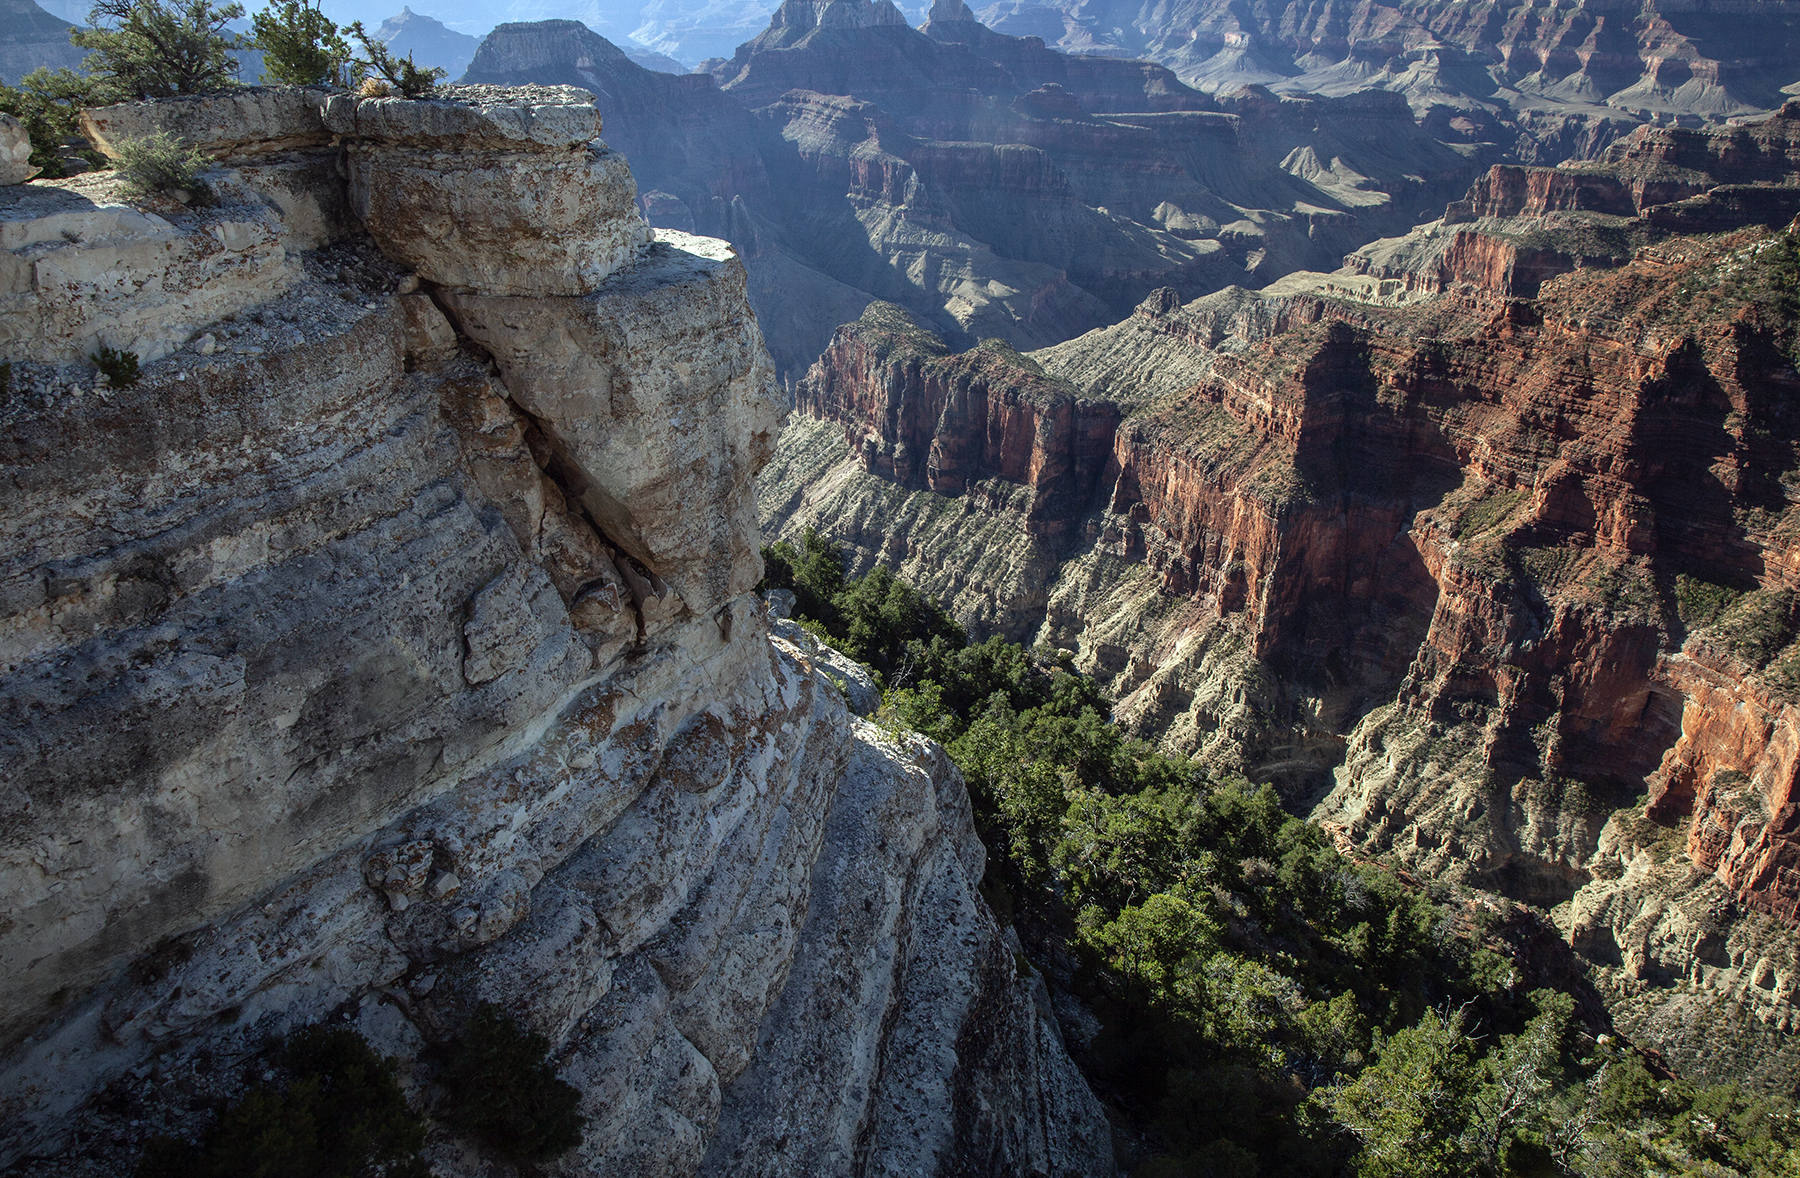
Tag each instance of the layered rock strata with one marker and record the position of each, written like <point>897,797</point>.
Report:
<point>388,647</point>
<point>1432,569</point>
<point>1550,83</point>
<point>1518,226</point>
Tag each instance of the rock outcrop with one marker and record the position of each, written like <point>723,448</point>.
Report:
<point>1501,586</point>
<point>387,647</point>
<point>1519,226</point>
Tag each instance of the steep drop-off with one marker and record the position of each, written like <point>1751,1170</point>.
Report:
<point>388,648</point>
<point>1502,586</point>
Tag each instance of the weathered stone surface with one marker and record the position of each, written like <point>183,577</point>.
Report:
<point>849,676</point>
<point>471,118</point>
<point>15,152</point>
<point>659,390</point>
<point>82,268</point>
<point>234,124</point>
<point>916,960</point>
<point>501,223</point>
<point>341,669</point>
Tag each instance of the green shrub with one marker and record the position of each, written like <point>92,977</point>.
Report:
<point>159,48</point>
<point>338,1113</point>
<point>1758,625</point>
<point>1699,603</point>
<point>504,1090</point>
<point>119,368</point>
<point>300,45</point>
<point>159,162</point>
<point>399,72</point>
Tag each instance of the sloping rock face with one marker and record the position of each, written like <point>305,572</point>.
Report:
<point>1433,570</point>
<point>992,187</point>
<point>388,647</point>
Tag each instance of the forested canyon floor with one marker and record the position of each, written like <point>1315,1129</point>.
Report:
<point>1501,586</point>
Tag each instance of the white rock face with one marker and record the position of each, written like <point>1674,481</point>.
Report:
<point>15,152</point>
<point>391,649</point>
<point>244,121</point>
<point>657,385</point>
<point>487,118</point>
<point>80,267</point>
<point>512,223</point>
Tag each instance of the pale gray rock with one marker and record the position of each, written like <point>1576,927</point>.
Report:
<point>844,672</point>
<point>471,118</point>
<point>81,267</point>
<point>343,671</point>
<point>15,152</point>
<point>501,223</point>
<point>661,389</point>
<point>242,122</point>
<point>930,995</point>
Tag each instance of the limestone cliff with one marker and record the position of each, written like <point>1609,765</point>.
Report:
<point>388,647</point>
<point>1502,586</point>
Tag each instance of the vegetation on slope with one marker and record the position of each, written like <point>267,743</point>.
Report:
<point>1268,1006</point>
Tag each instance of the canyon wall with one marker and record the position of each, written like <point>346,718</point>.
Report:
<point>1500,585</point>
<point>992,187</point>
<point>1548,83</point>
<point>388,647</point>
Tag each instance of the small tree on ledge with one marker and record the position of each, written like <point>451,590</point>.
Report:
<point>300,45</point>
<point>399,72</point>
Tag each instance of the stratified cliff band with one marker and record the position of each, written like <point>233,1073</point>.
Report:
<point>389,647</point>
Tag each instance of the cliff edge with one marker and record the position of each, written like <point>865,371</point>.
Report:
<point>388,647</point>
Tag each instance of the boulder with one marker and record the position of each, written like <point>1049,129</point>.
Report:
<point>502,223</point>
<point>658,391</point>
<point>471,118</point>
<point>80,268</point>
<point>15,152</point>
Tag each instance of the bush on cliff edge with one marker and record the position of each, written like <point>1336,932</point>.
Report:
<point>159,48</point>
<point>504,1090</point>
<point>336,1112</point>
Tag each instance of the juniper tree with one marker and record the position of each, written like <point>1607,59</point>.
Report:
<point>159,48</point>
<point>300,45</point>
